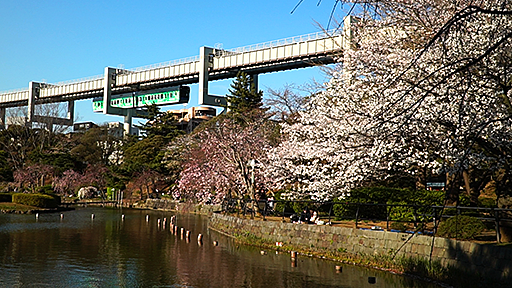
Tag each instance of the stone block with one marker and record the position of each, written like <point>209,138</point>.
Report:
<point>441,242</point>
<point>312,228</point>
<point>343,231</point>
<point>381,235</point>
<point>324,244</point>
<point>390,244</point>
<point>425,250</point>
<point>413,248</point>
<point>392,236</point>
<point>421,240</point>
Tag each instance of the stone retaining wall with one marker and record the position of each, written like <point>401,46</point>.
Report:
<point>489,260</point>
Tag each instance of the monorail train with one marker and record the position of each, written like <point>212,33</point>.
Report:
<point>174,95</point>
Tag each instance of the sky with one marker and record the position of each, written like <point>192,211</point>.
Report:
<point>54,41</point>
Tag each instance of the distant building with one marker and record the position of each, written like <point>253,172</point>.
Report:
<point>189,119</point>
<point>116,129</point>
<point>83,126</point>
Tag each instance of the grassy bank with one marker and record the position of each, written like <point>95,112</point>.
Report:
<point>14,208</point>
<point>9,207</point>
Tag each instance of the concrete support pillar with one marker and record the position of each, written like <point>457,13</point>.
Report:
<point>347,32</point>
<point>348,45</point>
<point>71,111</point>
<point>128,118</point>
<point>109,81</point>
<point>2,118</point>
<point>49,121</point>
<point>204,65</point>
<point>33,93</point>
<point>255,82</point>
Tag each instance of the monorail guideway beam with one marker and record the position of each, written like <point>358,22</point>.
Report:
<point>300,52</point>
<point>33,94</point>
<point>206,55</point>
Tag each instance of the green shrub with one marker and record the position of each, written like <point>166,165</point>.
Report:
<point>5,197</point>
<point>298,207</point>
<point>462,227</point>
<point>36,200</point>
<point>344,210</point>
<point>406,213</point>
<point>486,202</point>
<point>464,200</point>
<point>423,267</point>
<point>387,195</point>
<point>46,189</point>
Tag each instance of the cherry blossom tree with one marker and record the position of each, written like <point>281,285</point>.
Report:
<point>226,156</point>
<point>33,176</point>
<point>68,183</point>
<point>71,181</point>
<point>285,103</point>
<point>425,89</point>
<point>146,180</point>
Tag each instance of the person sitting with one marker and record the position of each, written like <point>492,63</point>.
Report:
<point>314,218</point>
<point>304,216</point>
<point>270,201</point>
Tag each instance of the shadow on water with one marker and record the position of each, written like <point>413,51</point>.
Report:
<point>106,251</point>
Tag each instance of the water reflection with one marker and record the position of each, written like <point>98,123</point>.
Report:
<point>107,251</point>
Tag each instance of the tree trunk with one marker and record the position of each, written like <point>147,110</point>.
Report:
<point>452,189</point>
<point>470,190</point>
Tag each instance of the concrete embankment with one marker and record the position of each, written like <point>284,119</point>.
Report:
<point>488,260</point>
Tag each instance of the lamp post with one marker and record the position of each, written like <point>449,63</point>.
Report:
<point>252,163</point>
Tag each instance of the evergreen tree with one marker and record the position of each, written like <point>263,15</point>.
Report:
<point>148,153</point>
<point>243,95</point>
<point>160,124</point>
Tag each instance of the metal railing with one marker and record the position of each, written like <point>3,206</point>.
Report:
<point>76,81</point>
<point>424,218</point>
<point>14,91</point>
<point>283,42</point>
<point>165,64</point>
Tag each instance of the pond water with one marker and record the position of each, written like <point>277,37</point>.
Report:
<point>78,250</point>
